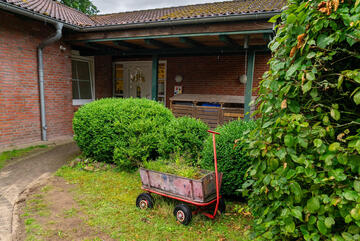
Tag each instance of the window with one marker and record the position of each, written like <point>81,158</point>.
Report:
<point>82,81</point>
<point>119,80</point>
<point>162,81</point>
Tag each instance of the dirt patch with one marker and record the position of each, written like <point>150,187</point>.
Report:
<point>50,213</point>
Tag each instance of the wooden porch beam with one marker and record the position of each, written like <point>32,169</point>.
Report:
<point>176,52</point>
<point>190,42</point>
<point>158,43</point>
<point>128,45</point>
<point>229,33</point>
<point>228,41</point>
<point>107,50</point>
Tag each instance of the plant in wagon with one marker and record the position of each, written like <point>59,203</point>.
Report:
<point>305,175</point>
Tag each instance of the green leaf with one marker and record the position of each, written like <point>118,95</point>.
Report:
<point>296,189</point>
<point>306,87</point>
<point>355,213</point>
<point>311,55</point>
<point>357,98</point>
<point>274,18</point>
<point>310,76</point>
<point>318,143</point>
<point>321,227</point>
<point>324,40</point>
<point>335,114</point>
<point>329,221</point>
<point>334,146</point>
<point>357,186</point>
<point>303,142</point>
<point>313,204</point>
<point>291,19</point>
<point>350,195</point>
<point>338,174</point>
<point>289,140</point>
<point>290,227</point>
<point>297,214</point>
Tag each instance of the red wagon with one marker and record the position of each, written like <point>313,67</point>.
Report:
<point>203,193</point>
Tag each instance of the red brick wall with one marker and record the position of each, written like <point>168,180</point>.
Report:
<point>19,91</point>
<point>212,74</point>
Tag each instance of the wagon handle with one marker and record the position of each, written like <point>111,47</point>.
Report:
<point>216,172</point>
<point>213,132</point>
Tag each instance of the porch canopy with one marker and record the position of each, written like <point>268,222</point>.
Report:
<point>226,28</point>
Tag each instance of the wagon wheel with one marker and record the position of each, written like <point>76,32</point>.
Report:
<point>144,201</point>
<point>183,214</point>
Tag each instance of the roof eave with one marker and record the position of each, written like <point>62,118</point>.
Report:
<point>215,19</point>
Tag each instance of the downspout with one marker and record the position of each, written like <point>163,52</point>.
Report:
<point>53,39</point>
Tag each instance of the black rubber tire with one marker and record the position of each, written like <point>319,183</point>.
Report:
<point>222,206</point>
<point>144,201</point>
<point>183,214</point>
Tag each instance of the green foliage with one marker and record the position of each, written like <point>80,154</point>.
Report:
<point>124,131</point>
<point>85,6</point>
<point>179,167</point>
<point>305,174</point>
<point>184,136</point>
<point>232,159</point>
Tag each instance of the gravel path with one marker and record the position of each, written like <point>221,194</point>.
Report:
<point>16,177</point>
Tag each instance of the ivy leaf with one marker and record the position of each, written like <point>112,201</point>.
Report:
<point>329,221</point>
<point>290,227</point>
<point>296,189</point>
<point>313,204</point>
<point>335,114</point>
<point>303,142</point>
<point>274,18</point>
<point>306,87</point>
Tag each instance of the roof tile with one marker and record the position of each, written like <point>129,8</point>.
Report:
<point>69,15</point>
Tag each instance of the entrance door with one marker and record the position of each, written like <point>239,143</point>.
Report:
<point>137,79</point>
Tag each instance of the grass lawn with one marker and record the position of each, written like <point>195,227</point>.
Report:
<point>9,155</point>
<point>107,198</point>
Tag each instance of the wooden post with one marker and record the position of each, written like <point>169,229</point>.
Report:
<point>249,83</point>
<point>154,85</point>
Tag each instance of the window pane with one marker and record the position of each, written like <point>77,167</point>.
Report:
<point>83,70</point>
<point>75,90</point>
<point>73,67</point>
<point>85,90</point>
<point>119,81</point>
<point>161,72</point>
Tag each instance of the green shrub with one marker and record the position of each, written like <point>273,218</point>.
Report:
<point>124,131</point>
<point>305,175</point>
<point>232,161</point>
<point>184,136</point>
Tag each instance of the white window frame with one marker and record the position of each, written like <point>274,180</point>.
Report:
<point>90,61</point>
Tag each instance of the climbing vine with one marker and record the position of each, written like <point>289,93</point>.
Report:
<point>305,178</point>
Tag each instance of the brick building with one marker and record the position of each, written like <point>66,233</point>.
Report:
<point>196,50</point>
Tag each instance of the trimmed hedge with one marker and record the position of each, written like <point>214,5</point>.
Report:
<point>123,131</point>
<point>184,136</point>
<point>232,159</point>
